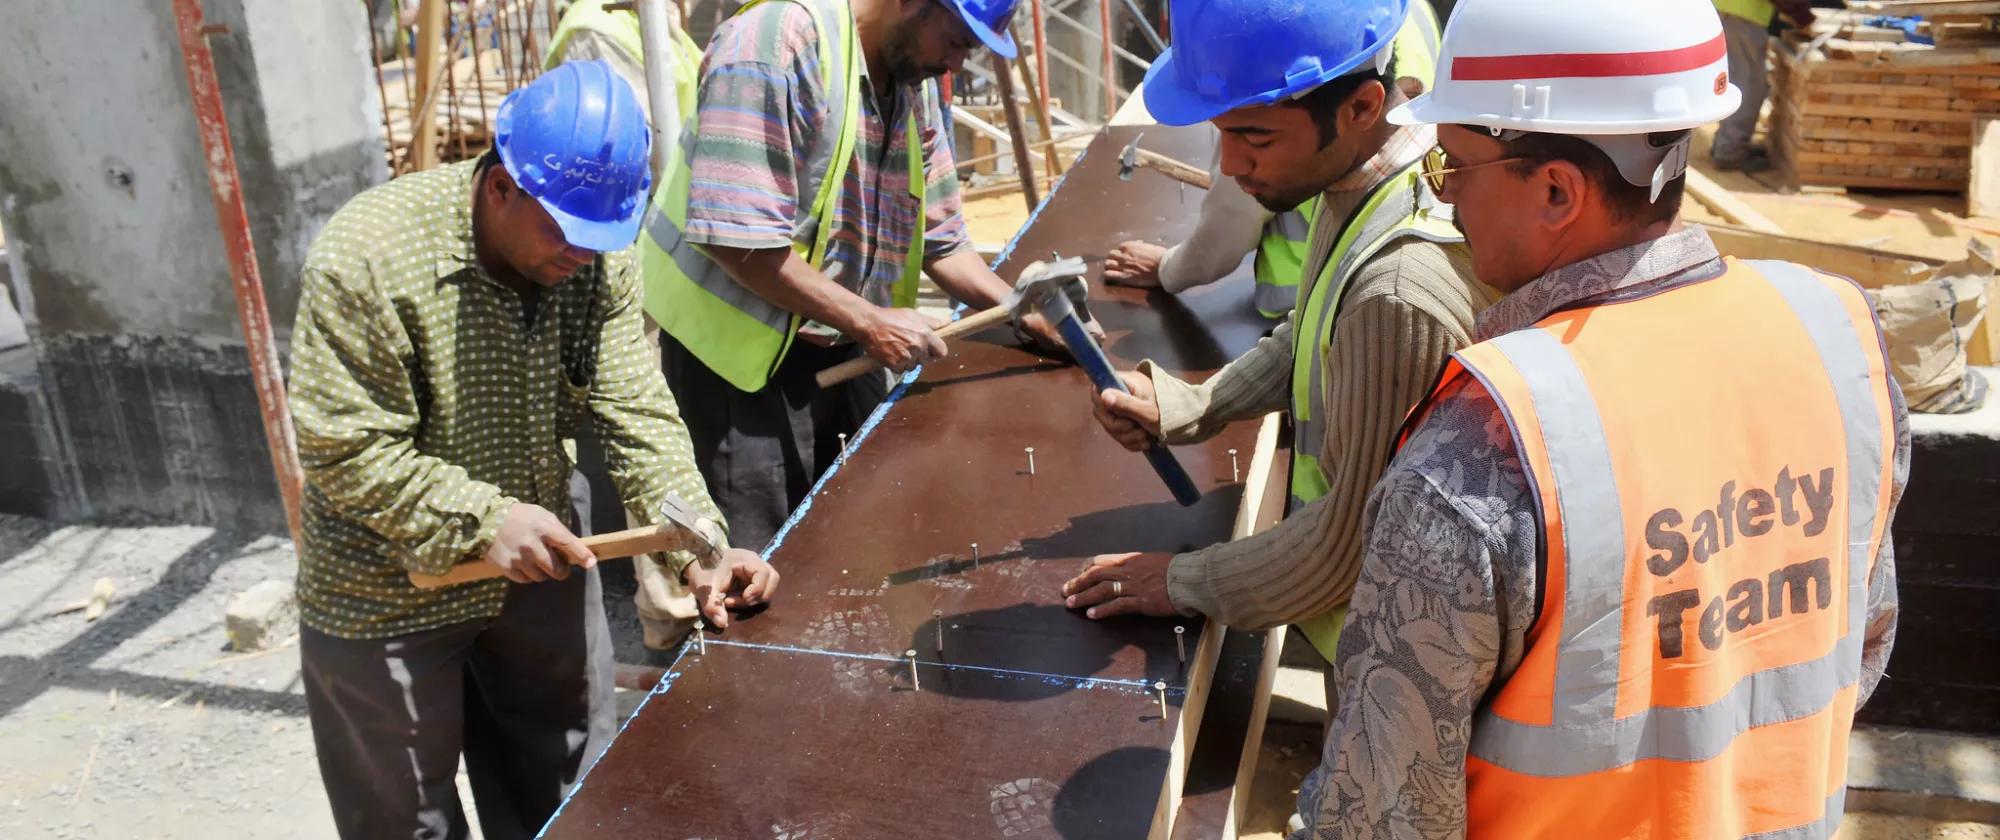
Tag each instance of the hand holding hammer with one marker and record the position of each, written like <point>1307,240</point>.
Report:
<point>1013,308</point>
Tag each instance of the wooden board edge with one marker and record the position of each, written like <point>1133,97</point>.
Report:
<point>1726,204</point>
<point>1208,651</point>
<point>1253,739</point>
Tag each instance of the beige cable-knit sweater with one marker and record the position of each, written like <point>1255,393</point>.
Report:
<point>1408,309</point>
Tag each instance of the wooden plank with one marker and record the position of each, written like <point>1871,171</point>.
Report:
<point>1250,518</point>
<point>1877,182</point>
<point>1954,162</point>
<point>1872,268</point>
<point>1718,198</point>
<point>1253,740</point>
<point>1916,8</point>
<point>1982,194</point>
<point>430,46</point>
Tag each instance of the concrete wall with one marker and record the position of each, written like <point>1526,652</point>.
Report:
<point>137,398</point>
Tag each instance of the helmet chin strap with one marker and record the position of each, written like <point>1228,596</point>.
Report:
<point>1638,158</point>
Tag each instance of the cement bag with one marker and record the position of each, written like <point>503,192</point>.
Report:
<point>1928,325</point>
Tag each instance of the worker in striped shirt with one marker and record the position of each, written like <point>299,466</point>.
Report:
<point>818,183</point>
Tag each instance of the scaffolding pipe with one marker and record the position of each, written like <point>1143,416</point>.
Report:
<point>226,191</point>
<point>1041,51</point>
<point>1110,70</point>
<point>656,42</point>
<point>1016,132</point>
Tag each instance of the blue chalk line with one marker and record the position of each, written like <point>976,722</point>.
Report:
<point>1137,686</point>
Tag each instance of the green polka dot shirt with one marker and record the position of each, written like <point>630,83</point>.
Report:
<point>427,400</point>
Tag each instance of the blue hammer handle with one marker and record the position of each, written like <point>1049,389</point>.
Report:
<point>1091,357</point>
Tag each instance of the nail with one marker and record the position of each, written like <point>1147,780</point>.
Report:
<point>1162,689</point>
<point>701,637</point>
<point>937,617</point>
<point>1031,460</point>
<point>975,555</point>
<point>1234,473</point>
<point>843,444</point>
<point>1180,642</point>
<point>916,685</point>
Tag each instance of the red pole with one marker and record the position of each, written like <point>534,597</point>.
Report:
<point>1110,72</point>
<point>227,193</point>
<point>1042,52</point>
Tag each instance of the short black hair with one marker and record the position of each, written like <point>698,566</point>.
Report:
<point>1323,103</point>
<point>1629,203</point>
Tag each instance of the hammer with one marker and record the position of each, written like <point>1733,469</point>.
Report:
<point>1040,288</point>
<point>1010,308</point>
<point>1134,157</point>
<point>684,530</point>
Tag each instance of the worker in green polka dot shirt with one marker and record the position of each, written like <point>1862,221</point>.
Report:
<point>455,327</point>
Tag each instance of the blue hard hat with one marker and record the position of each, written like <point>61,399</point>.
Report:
<point>988,20</point>
<point>576,140</point>
<point>1231,53</point>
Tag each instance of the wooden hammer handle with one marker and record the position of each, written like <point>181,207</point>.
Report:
<point>1182,172</point>
<point>957,329</point>
<point>627,543</point>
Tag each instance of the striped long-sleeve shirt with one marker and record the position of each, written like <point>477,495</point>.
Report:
<point>763,106</point>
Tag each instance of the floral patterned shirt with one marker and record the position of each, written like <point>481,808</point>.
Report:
<point>1448,586</point>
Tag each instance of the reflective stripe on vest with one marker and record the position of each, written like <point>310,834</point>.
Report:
<point>1710,514</point>
<point>1281,258</point>
<point>1400,208</point>
<point>741,336</point>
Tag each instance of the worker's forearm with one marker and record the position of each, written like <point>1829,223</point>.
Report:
<point>965,277</point>
<point>780,276</point>
<point>1302,568</point>
<point>1256,384</point>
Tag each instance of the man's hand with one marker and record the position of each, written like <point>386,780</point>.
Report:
<point>741,580</point>
<point>1037,330</point>
<point>1135,263</point>
<point>1131,419</point>
<point>1122,584</point>
<point>900,339</point>
<point>532,546</point>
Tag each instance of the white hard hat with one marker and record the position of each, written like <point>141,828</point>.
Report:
<point>1591,68</point>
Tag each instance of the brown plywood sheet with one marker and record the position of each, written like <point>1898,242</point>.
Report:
<point>1032,722</point>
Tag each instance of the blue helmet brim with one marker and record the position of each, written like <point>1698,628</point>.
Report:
<point>999,42</point>
<point>601,236</point>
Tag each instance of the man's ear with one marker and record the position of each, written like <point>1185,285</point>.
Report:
<point>1364,108</point>
<point>1566,191</point>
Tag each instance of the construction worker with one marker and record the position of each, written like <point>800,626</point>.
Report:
<point>1746,27</point>
<point>819,184</point>
<point>1299,91</point>
<point>1233,224</point>
<point>455,326</point>
<point>1629,574</point>
<point>590,32</point>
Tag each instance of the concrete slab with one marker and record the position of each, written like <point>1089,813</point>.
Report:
<point>1915,772</point>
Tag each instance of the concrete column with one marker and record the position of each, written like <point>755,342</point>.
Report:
<point>133,396</point>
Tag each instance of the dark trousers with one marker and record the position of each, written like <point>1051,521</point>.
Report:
<point>761,452</point>
<point>525,696</point>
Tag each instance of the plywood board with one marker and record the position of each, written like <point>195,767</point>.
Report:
<point>1031,721</point>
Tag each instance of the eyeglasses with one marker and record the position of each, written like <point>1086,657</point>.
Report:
<point>1434,170</point>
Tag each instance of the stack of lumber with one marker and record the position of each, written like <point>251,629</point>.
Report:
<point>1859,102</point>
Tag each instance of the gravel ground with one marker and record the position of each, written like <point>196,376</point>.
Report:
<point>142,723</point>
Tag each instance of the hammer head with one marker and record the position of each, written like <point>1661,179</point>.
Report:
<point>705,533</point>
<point>1128,160</point>
<point>1041,282</point>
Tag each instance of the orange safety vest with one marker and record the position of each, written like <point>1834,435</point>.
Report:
<point>1712,467</point>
